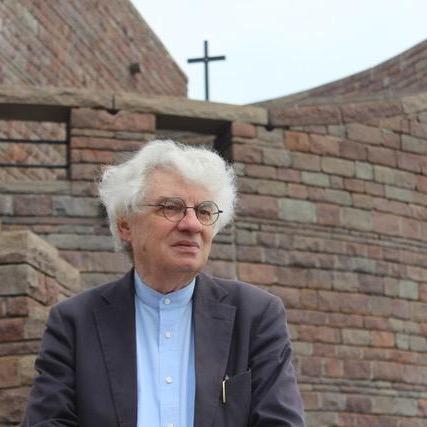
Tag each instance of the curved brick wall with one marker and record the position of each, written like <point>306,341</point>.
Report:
<point>333,219</point>
<point>406,72</point>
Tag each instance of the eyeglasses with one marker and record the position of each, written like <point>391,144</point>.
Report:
<point>175,209</point>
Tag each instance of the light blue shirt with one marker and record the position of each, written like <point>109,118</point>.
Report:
<point>165,356</point>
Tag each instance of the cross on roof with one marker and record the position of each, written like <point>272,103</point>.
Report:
<point>206,59</point>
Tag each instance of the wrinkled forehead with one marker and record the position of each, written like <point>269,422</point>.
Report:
<point>164,182</point>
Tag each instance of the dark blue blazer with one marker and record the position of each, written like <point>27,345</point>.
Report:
<point>87,362</point>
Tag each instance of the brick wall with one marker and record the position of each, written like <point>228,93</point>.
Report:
<point>84,44</point>
<point>33,278</point>
<point>332,218</point>
<point>404,73</point>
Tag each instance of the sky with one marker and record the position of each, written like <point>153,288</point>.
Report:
<point>275,48</point>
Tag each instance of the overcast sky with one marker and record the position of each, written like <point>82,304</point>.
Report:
<point>279,47</point>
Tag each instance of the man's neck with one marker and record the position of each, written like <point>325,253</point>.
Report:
<point>165,282</point>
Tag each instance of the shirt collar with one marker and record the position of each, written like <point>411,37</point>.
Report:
<point>154,299</point>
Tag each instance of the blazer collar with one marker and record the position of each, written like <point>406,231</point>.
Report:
<point>115,321</point>
<point>213,322</point>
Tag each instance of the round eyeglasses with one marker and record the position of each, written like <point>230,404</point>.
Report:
<point>175,209</point>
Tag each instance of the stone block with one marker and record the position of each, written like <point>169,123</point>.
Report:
<point>247,153</point>
<point>81,242</point>
<point>297,210</point>
<point>25,247</point>
<point>76,206</point>
<point>337,166</point>
<point>9,372</point>
<point>315,179</point>
<point>305,161</point>
<point>6,205</point>
<point>184,107</point>
<point>382,339</point>
<point>400,194</point>
<point>110,144</point>
<point>325,145</point>
<point>353,150</point>
<point>273,157</point>
<point>360,112</point>
<point>382,156</point>
<point>85,172</point>
<point>261,171</point>
<point>305,115</point>
<point>364,170</point>
<point>122,121</point>
<point>243,130</point>
<point>363,133</point>
<point>414,145</point>
<point>414,103</point>
<point>356,218</point>
<point>257,273</point>
<point>408,289</point>
<point>357,369</point>
<point>356,337</point>
<point>297,141</point>
<point>418,343</point>
<point>32,205</point>
<point>271,136</point>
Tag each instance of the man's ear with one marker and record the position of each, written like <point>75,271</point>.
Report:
<point>124,229</point>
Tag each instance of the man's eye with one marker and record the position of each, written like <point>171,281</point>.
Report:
<point>205,212</point>
<point>173,208</point>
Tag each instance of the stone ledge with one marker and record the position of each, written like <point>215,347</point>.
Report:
<point>183,107</point>
<point>25,247</point>
<point>55,96</point>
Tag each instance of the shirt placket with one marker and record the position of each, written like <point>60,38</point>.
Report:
<point>168,364</point>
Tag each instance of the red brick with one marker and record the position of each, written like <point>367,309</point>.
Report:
<point>257,273</point>
<point>258,206</point>
<point>247,153</point>
<point>243,130</point>
<point>353,150</point>
<point>327,214</point>
<point>409,161</point>
<point>312,367</point>
<point>297,141</point>
<point>305,161</point>
<point>318,334</point>
<point>382,339</point>
<point>261,171</point>
<point>288,175</point>
<point>356,185</point>
<point>325,145</point>
<point>297,191</point>
<point>382,156</point>
<point>9,372</point>
<point>356,369</point>
<point>386,371</point>
<point>305,115</point>
<point>105,144</point>
<point>32,205</point>
<point>374,188</point>
<point>92,156</point>
<point>12,329</point>
<point>85,172</point>
<point>333,368</point>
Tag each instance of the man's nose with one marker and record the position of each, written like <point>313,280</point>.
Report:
<point>190,222</point>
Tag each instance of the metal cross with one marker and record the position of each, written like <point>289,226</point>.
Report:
<point>206,59</point>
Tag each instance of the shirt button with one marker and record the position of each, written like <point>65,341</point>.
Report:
<point>169,380</point>
<point>167,301</point>
<point>168,334</point>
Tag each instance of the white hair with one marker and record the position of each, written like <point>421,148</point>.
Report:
<point>122,188</point>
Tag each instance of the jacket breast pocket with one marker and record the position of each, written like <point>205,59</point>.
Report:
<point>235,401</point>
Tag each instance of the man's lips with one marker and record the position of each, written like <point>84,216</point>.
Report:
<point>187,245</point>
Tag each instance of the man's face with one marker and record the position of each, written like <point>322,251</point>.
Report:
<point>161,247</point>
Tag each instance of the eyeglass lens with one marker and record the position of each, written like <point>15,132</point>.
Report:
<point>206,212</point>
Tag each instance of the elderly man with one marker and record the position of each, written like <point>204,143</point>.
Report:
<point>166,345</point>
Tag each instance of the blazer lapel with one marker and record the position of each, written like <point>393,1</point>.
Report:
<point>116,328</point>
<point>213,326</point>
